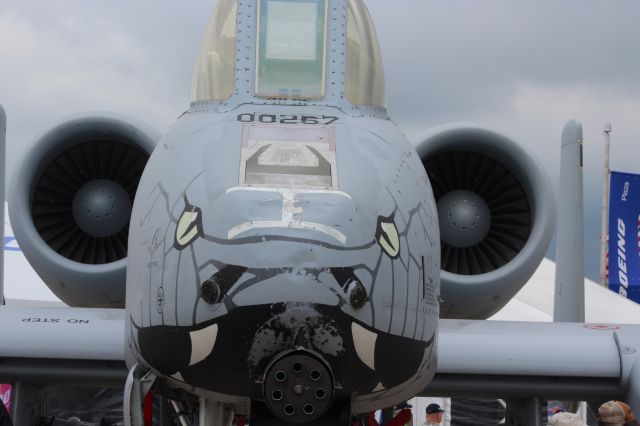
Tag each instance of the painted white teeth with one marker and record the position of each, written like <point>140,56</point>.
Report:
<point>178,376</point>
<point>202,343</point>
<point>378,388</point>
<point>365,343</point>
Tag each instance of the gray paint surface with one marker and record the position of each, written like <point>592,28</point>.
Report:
<point>514,348</point>
<point>62,333</point>
<point>210,181</point>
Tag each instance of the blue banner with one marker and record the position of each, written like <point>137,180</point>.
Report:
<point>624,235</point>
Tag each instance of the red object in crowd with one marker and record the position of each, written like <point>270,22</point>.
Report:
<point>5,396</point>
<point>240,421</point>
<point>148,409</point>
<point>372,420</point>
<point>401,419</point>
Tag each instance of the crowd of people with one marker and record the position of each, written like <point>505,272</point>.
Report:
<point>403,416</point>
<point>611,413</point>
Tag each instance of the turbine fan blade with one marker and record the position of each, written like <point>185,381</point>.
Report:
<point>53,196</point>
<point>510,211</point>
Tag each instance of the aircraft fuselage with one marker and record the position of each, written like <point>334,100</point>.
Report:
<point>268,232</point>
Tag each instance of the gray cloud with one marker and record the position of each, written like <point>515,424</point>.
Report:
<point>524,68</point>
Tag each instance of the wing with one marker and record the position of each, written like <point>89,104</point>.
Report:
<point>492,359</point>
<point>549,360</point>
<point>69,345</point>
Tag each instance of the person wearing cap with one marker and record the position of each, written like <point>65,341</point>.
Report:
<point>565,419</point>
<point>434,415</point>
<point>616,413</point>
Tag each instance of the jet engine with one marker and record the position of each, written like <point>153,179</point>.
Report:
<point>70,204</point>
<point>496,210</point>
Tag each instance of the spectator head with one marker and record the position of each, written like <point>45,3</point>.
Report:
<point>628,414</point>
<point>434,413</point>
<point>403,405</point>
<point>434,408</point>
<point>611,413</point>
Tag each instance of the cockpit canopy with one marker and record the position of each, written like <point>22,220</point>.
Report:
<point>292,52</point>
<point>214,76</point>
<point>364,74</point>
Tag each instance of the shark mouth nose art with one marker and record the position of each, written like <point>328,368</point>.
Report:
<point>259,335</point>
<point>364,342</point>
<point>171,349</point>
<point>202,343</point>
<point>376,350</point>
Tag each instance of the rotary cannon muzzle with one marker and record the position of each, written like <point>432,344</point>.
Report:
<point>298,387</point>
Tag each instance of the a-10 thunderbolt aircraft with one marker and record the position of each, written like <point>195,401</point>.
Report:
<point>288,252</point>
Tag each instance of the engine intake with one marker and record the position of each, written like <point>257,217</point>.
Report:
<point>70,205</point>
<point>495,209</point>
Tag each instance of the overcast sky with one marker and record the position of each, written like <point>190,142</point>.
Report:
<point>520,67</point>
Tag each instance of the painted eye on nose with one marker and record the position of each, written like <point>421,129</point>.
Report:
<point>387,236</point>
<point>189,226</point>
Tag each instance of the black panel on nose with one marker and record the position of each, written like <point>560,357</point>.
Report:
<point>258,334</point>
<point>167,349</point>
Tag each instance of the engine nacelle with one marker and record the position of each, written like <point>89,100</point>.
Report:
<point>70,204</point>
<point>496,212</point>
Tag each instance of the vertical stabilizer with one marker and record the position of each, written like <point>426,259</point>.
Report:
<point>569,291</point>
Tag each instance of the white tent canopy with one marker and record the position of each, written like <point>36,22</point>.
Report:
<point>535,301</point>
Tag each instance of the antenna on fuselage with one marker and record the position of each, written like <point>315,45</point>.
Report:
<point>569,287</point>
